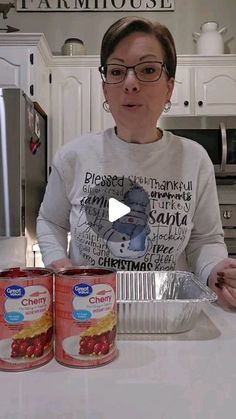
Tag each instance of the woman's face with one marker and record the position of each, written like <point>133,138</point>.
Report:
<point>136,105</point>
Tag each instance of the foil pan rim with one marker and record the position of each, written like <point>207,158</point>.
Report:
<point>210,296</point>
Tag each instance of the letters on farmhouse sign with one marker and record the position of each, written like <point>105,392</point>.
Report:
<point>94,5</point>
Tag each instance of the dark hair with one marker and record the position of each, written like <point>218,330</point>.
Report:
<point>127,25</point>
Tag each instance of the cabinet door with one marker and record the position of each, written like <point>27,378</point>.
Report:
<point>13,67</point>
<point>23,67</point>
<point>181,101</point>
<point>70,105</point>
<point>181,97</point>
<point>39,88</point>
<point>9,73</point>
<point>215,91</point>
<point>100,119</point>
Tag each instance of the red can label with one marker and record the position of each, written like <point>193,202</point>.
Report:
<point>85,317</point>
<point>26,323</point>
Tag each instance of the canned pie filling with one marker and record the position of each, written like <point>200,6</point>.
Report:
<point>26,320</point>
<point>86,317</point>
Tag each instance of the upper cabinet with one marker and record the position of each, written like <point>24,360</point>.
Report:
<point>25,63</point>
<point>69,89</point>
<point>215,90</point>
<point>101,119</point>
<point>204,86</point>
<point>70,101</point>
<point>181,100</point>
<point>76,100</point>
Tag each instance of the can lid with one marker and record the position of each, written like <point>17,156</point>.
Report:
<point>18,272</point>
<point>85,271</point>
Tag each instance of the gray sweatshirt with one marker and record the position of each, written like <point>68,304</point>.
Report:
<point>173,200</point>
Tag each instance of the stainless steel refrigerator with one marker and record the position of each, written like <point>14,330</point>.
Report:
<point>23,175</point>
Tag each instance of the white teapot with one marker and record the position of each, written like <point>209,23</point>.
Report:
<point>210,40</point>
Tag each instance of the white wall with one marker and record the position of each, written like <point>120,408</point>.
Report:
<point>90,26</point>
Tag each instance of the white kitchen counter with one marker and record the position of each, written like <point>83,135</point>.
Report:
<point>186,376</point>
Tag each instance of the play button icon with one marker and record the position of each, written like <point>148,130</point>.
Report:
<point>117,210</point>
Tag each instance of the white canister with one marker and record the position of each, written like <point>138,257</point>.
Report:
<point>73,46</point>
<point>210,40</point>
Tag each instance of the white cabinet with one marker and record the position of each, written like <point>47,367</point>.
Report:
<point>204,86</point>
<point>215,90</point>
<point>39,89</point>
<point>12,72</point>
<point>100,119</point>
<point>69,89</point>
<point>24,63</point>
<point>70,102</point>
<point>76,100</point>
<point>181,97</point>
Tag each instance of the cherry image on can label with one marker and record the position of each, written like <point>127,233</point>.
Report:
<point>86,317</point>
<point>26,318</point>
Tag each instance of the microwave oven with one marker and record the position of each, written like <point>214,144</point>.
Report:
<point>220,145</point>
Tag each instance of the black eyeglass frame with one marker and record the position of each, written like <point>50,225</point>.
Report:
<point>102,70</point>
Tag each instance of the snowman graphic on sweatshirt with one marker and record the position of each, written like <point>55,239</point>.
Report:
<point>129,236</point>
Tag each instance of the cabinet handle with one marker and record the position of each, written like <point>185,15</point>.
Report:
<point>200,103</point>
<point>32,90</point>
<point>224,146</point>
<point>186,103</point>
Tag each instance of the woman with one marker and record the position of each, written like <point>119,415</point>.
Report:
<point>167,182</point>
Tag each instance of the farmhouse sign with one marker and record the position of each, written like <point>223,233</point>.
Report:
<point>94,5</point>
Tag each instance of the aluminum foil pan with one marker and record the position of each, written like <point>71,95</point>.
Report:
<point>160,302</point>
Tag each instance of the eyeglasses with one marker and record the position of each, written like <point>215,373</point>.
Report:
<point>148,71</point>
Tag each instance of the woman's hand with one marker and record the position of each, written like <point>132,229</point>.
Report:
<point>60,264</point>
<point>222,281</point>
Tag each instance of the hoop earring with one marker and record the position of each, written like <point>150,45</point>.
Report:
<point>105,106</point>
<point>167,106</point>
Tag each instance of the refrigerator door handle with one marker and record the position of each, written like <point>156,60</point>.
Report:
<point>224,146</point>
<point>5,180</point>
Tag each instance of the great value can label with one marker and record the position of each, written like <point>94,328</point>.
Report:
<point>85,317</point>
<point>26,318</point>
